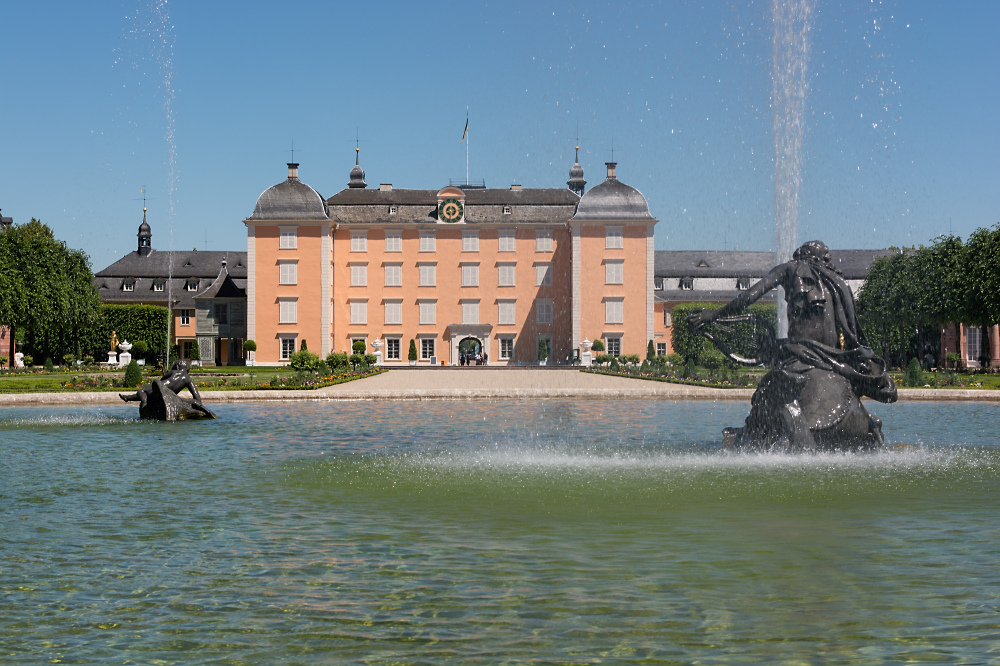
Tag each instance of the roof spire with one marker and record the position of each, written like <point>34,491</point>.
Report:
<point>357,173</point>
<point>576,181</point>
<point>145,234</point>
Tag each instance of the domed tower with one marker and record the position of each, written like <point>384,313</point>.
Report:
<point>576,181</point>
<point>357,173</point>
<point>145,236</point>
<point>290,200</point>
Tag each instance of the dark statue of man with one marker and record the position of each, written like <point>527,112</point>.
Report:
<point>810,398</point>
<point>159,400</point>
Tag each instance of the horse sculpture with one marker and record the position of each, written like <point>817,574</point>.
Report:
<point>810,398</point>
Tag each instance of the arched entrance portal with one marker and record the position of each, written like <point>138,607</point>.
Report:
<point>468,349</point>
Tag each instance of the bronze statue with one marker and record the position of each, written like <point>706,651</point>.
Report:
<point>114,342</point>
<point>159,400</point>
<point>810,399</point>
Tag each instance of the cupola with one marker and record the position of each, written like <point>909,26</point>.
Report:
<point>576,181</point>
<point>145,237</point>
<point>357,173</point>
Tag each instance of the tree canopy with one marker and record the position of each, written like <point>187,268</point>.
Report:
<point>46,290</point>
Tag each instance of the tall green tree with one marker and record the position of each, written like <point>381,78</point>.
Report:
<point>46,290</point>
<point>983,274</point>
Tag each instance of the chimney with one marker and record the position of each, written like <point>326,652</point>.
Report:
<point>611,170</point>
<point>385,187</point>
<point>293,170</point>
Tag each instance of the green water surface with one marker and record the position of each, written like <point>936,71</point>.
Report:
<point>479,532</point>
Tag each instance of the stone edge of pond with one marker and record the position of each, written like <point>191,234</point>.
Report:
<point>669,391</point>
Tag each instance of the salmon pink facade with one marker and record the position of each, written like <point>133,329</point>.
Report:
<point>464,272</point>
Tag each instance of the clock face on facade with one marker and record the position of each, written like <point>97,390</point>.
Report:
<point>450,210</point>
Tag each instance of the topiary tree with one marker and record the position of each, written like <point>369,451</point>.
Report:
<point>543,349</point>
<point>48,364</point>
<point>133,375</point>
<point>359,347</point>
<point>412,354</point>
<point>139,349</point>
<point>249,346</point>
<point>914,375</point>
<point>196,351</point>
<point>303,346</point>
<point>650,351</point>
<point>304,360</point>
<point>598,346</point>
<point>337,361</point>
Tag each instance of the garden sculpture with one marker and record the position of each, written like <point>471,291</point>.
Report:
<point>810,398</point>
<point>159,401</point>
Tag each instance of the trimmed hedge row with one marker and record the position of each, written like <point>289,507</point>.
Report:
<point>741,339</point>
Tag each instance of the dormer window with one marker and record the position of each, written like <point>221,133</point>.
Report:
<point>686,284</point>
<point>191,285</point>
<point>658,284</point>
<point>128,285</point>
<point>742,284</point>
<point>158,286</point>
<point>393,210</point>
<point>506,210</point>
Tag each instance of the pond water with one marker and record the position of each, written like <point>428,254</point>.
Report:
<point>558,531</point>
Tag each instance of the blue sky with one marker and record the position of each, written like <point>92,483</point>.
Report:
<point>901,140</point>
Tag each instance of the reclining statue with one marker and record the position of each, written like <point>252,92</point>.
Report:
<point>158,400</point>
<point>810,399</point>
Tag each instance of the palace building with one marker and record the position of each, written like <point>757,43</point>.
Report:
<point>459,270</point>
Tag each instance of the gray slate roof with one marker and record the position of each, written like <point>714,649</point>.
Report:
<point>290,200</point>
<point>482,206</point>
<point>853,264</point>
<point>153,268</point>
<point>612,201</point>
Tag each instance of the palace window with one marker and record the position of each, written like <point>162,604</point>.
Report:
<point>287,310</point>
<point>613,238</point>
<point>392,349</point>
<point>428,275</point>
<point>428,312</point>
<point>428,241</point>
<point>543,240</point>
<point>613,273</point>
<point>394,275</point>
<point>543,274</point>
<point>288,272</point>
<point>393,312</point>
<point>359,241</point>
<point>394,241</point>
<point>359,275</point>
<point>543,312</point>
<point>613,311</point>
<point>506,348</point>
<point>506,274</point>
<point>288,239</point>
<point>359,312</point>
<point>506,313</point>
<point>426,348</point>
<point>185,317</point>
<point>470,275</point>
<point>973,343</point>
<point>470,240</point>
<point>661,348</point>
<point>507,242</point>
<point>222,313</point>
<point>287,348</point>
<point>614,347</point>
<point>685,284</point>
<point>470,312</point>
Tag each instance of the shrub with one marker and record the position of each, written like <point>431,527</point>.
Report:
<point>543,349</point>
<point>359,347</point>
<point>3,361</point>
<point>614,364</point>
<point>48,364</point>
<point>304,361</point>
<point>303,346</point>
<point>249,346</point>
<point>598,346</point>
<point>370,359</point>
<point>689,370</point>
<point>139,349</point>
<point>355,360</point>
<point>133,375</point>
<point>412,353</point>
<point>196,351</point>
<point>323,369</point>
<point>914,375</point>
<point>712,358</point>
<point>675,360</point>
<point>631,359</point>
<point>68,360</point>
<point>645,366</point>
<point>337,361</point>
<point>88,360</point>
<point>650,351</point>
<point>28,360</point>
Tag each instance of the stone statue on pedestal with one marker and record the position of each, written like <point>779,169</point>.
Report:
<point>159,401</point>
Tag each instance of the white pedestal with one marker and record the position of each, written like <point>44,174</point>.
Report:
<point>586,359</point>
<point>18,360</point>
<point>378,358</point>
<point>112,358</point>
<point>123,359</point>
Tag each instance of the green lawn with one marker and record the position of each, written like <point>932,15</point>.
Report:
<point>210,379</point>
